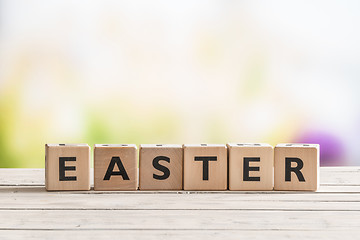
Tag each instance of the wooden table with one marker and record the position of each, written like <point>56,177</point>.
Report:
<point>28,211</point>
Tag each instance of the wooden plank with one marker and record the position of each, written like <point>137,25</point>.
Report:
<point>253,205</point>
<point>178,220</point>
<point>22,177</point>
<point>177,234</point>
<point>323,190</point>
<point>324,193</point>
<point>38,198</point>
<point>347,176</point>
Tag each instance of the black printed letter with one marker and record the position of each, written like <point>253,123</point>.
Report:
<point>121,171</point>
<point>63,168</point>
<point>296,170</point>
<point>205,161</point>
<point>247,168</point>
<point>161,168</point>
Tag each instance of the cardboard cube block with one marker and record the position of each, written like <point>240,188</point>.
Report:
<point>205,167</point>
<point>160,167</point>
<point>297,167</point>
<point>115,167</point>
<point>251,166</point>
<point>67,167</point>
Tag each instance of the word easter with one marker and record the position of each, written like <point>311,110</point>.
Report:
<point>235,166</point>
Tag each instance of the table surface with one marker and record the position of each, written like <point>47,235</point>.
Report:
<point>28,211</point>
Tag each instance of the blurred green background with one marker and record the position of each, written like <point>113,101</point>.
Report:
<point>179,72</point>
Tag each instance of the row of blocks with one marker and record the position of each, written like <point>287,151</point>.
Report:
<point>235,166</point>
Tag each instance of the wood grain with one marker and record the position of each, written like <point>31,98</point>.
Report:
<point>254,234</point>
<point>309,157</point>
<point>80,154</point>
<point>194,175</point>
<point>174,154</point>
<point>179,219</point>
<point>238,153</point>
<point>126,155</point>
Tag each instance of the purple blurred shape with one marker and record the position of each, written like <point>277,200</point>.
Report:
<point>331,147</point>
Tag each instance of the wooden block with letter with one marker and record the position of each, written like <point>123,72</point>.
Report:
<point>160,167</point>
<point>115,167</point>
<point>297,167</point>
<point>67,167</point>
<point>251,166</point>
<point>205,167</point>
